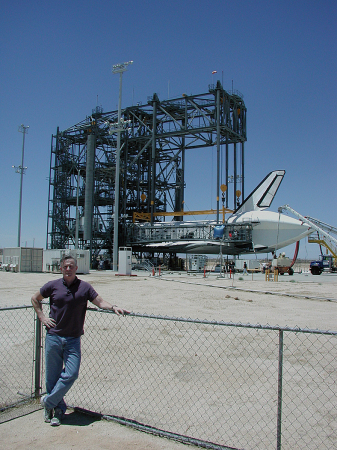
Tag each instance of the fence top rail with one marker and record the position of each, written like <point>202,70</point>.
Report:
<point>7,308</point>
<point>201,321</point>
<point>223,323</point>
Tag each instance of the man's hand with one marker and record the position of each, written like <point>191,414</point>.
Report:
<point>119,311</point>
<point>48,322</point>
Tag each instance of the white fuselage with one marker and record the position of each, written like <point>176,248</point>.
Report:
<point>271,230</point>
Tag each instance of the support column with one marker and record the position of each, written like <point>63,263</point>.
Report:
<point>235,175</point>
<point>218,153</point>
<point>226,174</point>
<point>89,188</point>
<point>153,157</point>
<point>243,171</point>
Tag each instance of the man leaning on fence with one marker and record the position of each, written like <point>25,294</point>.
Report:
<point>68,304</point>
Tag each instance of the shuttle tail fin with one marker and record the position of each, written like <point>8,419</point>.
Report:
<point>263,195</point>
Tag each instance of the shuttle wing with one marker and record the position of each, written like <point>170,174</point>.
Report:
<point>263,195</point>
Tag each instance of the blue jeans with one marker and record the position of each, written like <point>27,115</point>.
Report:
<point>63,359</point>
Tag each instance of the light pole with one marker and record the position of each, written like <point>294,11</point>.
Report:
<point>21,169</point>
<point>118,68</point>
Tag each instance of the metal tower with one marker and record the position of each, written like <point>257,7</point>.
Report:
<point>154,140</point>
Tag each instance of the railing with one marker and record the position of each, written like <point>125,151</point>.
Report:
<point>180,231</point>
<point>144,264</point>
<point>208,383</point>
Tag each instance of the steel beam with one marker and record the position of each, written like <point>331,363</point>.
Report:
<point>152,161</point>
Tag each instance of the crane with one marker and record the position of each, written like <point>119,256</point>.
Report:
<point>323,230</point>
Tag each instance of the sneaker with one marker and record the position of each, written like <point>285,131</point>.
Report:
<point>47,412</point>
<point>57,419</point>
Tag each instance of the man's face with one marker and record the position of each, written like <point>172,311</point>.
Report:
<point>69,270</point>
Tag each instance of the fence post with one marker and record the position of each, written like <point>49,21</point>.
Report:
<point>279,390</point>
<point>38,346</point>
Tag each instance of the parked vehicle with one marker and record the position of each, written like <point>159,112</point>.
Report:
<point>326,263</point>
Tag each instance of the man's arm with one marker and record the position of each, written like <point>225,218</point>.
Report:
<point>37,304</point>
<point>98,301</point>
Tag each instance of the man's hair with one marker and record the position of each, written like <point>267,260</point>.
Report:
<point>66,257</point>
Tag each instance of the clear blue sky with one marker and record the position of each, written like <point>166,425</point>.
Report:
<point>56,59</point>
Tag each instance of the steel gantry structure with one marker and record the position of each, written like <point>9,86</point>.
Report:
<point>154,140</point>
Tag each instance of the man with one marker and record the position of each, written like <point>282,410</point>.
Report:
<point>68,304</point>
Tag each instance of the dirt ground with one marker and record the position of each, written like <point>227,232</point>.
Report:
<point>302,300</point>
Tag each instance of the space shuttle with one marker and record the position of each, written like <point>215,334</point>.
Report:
<point>270,231</point>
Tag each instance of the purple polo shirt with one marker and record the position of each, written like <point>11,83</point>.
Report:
<point>68,305</point>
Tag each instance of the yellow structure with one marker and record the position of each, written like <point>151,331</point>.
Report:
<point>325,244</point>
<point>147,216</point>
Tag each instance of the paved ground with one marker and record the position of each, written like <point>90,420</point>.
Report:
<point>78,431</point>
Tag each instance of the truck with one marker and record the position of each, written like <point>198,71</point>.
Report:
<point>326,263</point>
<point>283,264</point>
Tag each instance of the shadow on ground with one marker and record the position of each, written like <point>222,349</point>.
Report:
<point>80,419</point>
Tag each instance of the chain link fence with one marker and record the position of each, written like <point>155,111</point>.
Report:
<point>17,347</point>
<point>212,384</point>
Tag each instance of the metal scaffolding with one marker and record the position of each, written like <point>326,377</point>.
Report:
<point>154,140</point>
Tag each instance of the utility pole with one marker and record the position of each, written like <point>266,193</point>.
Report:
<point>21,169</point>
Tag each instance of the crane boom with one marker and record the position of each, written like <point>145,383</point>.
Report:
<point>329,241</point>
